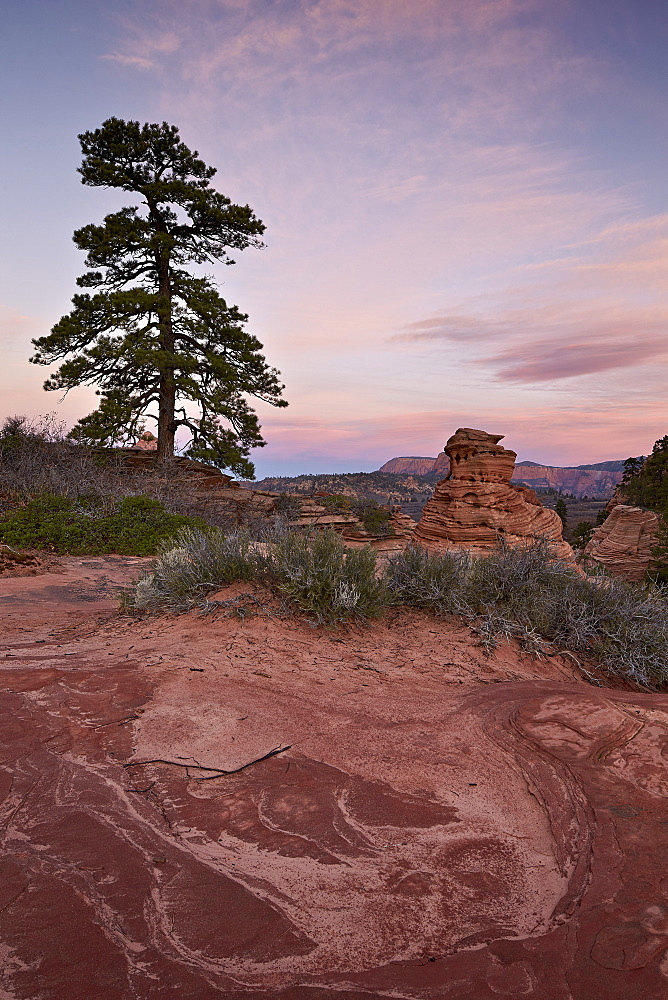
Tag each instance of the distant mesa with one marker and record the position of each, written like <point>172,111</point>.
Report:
<point>416,465</point>
<point>477,505</point>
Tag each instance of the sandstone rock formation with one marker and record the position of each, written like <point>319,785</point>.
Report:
<point>623,543</point>
<point>421,832</point>
<point>476,507</point>
<point>147,442</point>
<point>442,465</point>
<point>401,532</point>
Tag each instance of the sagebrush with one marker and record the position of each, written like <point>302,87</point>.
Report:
<point>521,593</point>
<point>313,570</point>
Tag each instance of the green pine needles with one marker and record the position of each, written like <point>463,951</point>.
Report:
<point>157,341</point>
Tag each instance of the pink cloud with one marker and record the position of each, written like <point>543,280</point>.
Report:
<point>567,435</point>
<point>604,311</point>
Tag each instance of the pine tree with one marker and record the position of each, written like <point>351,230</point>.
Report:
<point>645,480</point>
<point>153,336</point>
<point>561,509</point>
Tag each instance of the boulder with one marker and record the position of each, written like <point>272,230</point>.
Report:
<point>476,506</point>
<point>623,543</point>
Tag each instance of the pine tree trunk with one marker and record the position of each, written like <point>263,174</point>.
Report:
<point>167,386</point>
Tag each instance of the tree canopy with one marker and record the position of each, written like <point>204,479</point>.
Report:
<point>645,480</point>
<point>645,483</point>
<point>156,340</point>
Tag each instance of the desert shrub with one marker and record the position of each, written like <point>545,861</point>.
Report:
<point>324,578</point>
<point>336,502</point>
<point>376,519</point>
<point>313,570</point>
<point>133,525</point>
<point>514,592</point>
<point>424,580</point>
<point>525,594</point>
<point>198,561</point>
<point>582,532</point>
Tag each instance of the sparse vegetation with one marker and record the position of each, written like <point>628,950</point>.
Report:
<point>581,534</point>
<point>514,592</point>
<point>374,518</point>
<point>315,571</point>
<point>523,593</point>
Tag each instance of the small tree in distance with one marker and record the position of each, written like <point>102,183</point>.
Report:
<point>561,509</point>
<point>153,337</point>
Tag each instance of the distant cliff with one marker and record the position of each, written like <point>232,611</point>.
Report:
<point>413,465</point>
<point>597,480</point>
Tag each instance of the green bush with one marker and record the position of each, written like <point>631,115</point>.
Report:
<point>326,579</point>
<point>132,526</point>
<point>375,520</point>
<point>336,502</point>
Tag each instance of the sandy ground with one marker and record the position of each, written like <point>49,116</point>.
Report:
<point>209,807</point>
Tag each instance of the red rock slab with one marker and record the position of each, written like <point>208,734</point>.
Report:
<point>444,824</point>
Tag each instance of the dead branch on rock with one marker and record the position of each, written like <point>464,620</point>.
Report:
<point>219,771</point>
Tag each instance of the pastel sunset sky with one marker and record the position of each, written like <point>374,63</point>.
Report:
<point>466,205</point>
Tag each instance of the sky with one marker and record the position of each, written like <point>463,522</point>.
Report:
<point>466,205</point>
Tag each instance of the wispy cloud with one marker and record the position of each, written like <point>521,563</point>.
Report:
<point>596,313</point>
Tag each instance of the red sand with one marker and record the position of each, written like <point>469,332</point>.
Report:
<point>444,824</point>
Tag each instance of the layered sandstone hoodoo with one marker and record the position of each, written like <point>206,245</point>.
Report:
<point>475,506</point>
<point>623,543</point>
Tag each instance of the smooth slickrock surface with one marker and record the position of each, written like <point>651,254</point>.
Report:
<point>444,824</point>
<point>476,507</point>
<point>623,543</point>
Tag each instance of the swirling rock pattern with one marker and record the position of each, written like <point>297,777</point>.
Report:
<point>444,825</point>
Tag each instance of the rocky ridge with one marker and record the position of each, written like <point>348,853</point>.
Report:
<point>218,497</point>
<point>417,466</point>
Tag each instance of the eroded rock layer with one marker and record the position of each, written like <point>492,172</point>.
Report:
<point>623,543</point>
<point>476,506</point>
